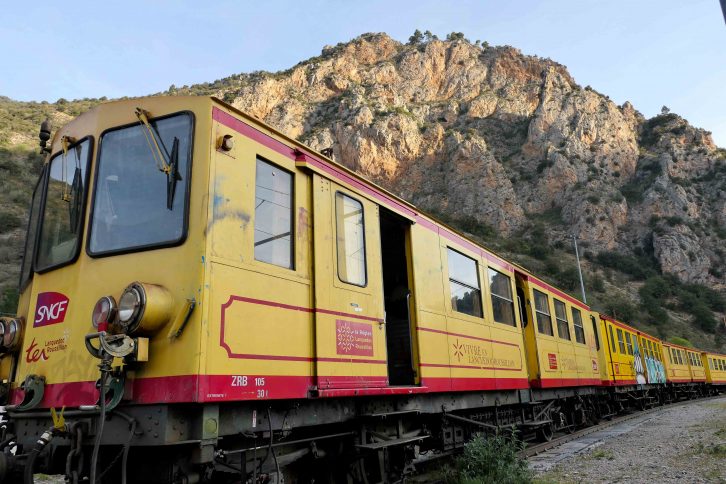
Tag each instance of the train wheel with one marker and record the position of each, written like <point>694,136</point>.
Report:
<point>545,433</point>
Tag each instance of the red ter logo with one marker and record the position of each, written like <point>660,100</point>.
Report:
<point>50,309</point>
<point>33,354</point>
<point>552,357</point>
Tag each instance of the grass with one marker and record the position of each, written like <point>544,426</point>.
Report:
<point>491,459</point>
<point>602,454</point>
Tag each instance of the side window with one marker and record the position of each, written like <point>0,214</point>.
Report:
<point>273,215</point>
<point>670,357</point>
<point>595,332</point>
<point>464,284</point>
<point>563,326</point>
<point>542,308</point>
<point>680,357</point>
<point>350,232</point>
<point>500,285</point>
<point>577,323</point>
<point>621,341</point>
<point>612,339</point>
<point>629,342</point>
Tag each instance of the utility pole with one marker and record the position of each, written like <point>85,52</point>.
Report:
<point>579,269</point>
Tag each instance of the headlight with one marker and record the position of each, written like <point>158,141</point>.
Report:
<point>104,312</point>
<point>144,308</point>
<point>12,332</point>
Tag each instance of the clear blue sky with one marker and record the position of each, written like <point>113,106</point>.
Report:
<point>650,52</point>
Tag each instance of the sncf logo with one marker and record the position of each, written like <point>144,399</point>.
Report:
<point>50,309</point>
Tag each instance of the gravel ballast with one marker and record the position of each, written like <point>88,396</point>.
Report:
<point>683,443</point>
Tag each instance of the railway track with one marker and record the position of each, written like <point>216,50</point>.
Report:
<point>532,450</point>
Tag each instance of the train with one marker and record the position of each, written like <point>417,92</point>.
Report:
<point>204,299</point>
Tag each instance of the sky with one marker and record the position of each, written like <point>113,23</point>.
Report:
<point>651,53</point>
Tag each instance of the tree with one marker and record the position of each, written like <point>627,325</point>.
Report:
<point>455,36</point>
<point>429,36</point>
<point>665,110</point>
<point>416,38</point>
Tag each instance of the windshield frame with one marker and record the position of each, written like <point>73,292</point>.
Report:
<point>187,191</point>
<point>30,258</point>
<point>82,220</point>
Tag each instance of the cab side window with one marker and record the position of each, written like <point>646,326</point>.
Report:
<point>273,215</point>
<point>500,286</point>
<point>542,308</point>
<point>464,284</point>
<point>612,339</point>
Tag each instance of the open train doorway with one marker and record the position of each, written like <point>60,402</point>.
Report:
<point>395,231</point>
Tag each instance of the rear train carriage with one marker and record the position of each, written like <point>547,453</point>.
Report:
<point>715,365</point>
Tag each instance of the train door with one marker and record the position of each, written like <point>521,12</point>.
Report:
<point>350,339</point>
<point>397,283</point>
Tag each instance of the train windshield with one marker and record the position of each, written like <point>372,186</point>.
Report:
<point>138,204</point>
<point>62,212</point>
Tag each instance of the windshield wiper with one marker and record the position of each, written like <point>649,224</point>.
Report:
<point>165,162</point>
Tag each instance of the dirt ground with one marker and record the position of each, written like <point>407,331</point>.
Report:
<point>685,443</point>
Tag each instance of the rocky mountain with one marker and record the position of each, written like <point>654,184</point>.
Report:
<point>509,148</point>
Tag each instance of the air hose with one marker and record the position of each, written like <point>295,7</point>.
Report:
<point>37,449</point>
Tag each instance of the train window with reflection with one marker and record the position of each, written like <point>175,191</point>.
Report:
<point>62,213</point>
<point>670,356</point>
<point>26,270</point>
<point>542,308</point>
<point>273,215</point>
<point>500,286</point>
<point>629,342</point>
<point>464,284</point>
<point>612,339</point>
<point>142,186</point>
<point>577,323</point>
<point>621,342</point>
<point>350,230</point>
<point>563,326</point>
<point>595,332</point>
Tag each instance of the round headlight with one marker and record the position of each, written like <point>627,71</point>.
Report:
<point>103,312</point>
<point>12,331</point>
<point>131,306</point>
<point>144,308</point>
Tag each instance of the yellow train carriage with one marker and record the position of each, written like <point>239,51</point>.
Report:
<point>652,354</point>
<point>715,366</point>
<point>377,315</point>
<point>562,344</point>
<point>624,366</point>
<point>696,366</point>
<point>676,363</point>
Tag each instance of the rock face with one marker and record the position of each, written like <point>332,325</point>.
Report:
<point>493,135</point>
<point>489,134</point>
